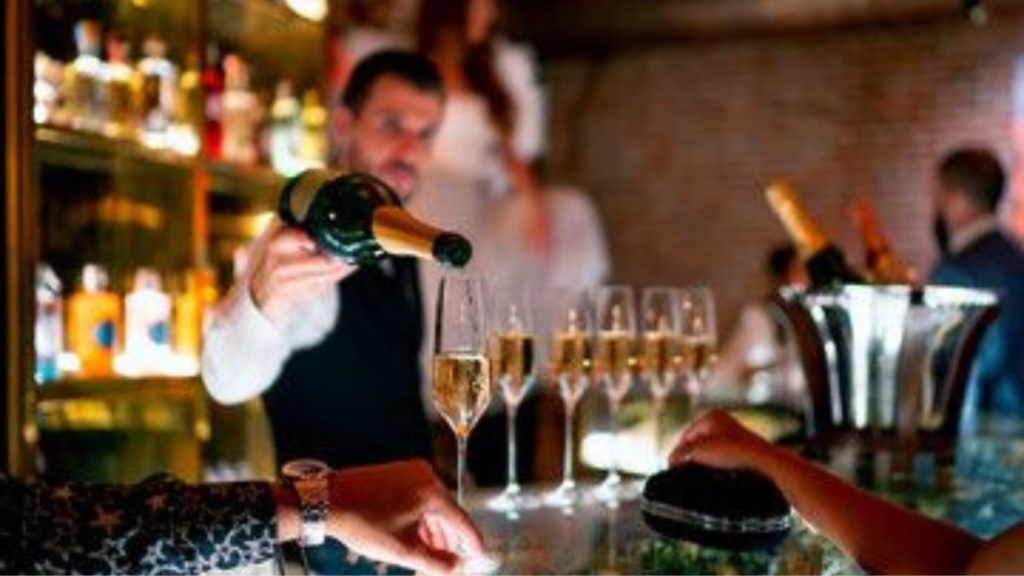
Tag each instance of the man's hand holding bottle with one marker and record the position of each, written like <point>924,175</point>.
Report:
<point>288,269</point>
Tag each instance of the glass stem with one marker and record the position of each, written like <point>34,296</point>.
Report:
<point>659,411</point>
<point>613,424</point>
<point>511,417</point>
<point>461,440</point>
<point>567,472</point>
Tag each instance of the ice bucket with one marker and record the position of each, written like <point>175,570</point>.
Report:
<point>887,366</point>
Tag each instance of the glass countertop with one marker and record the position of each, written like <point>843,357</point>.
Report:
<point>987,497</point>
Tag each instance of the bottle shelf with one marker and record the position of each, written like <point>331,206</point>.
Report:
<point>114,386</point>
<point>89,152</point>
<point>256,182</point>
<point>97,153</point>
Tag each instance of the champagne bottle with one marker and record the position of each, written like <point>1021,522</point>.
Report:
<point>360,219</point>
<point>884,265</point>
<point>823,260</point>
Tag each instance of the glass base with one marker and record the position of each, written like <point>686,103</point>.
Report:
<point>511,500</point>
<point>566,496</point>
<point>483,565</point>
<point>615,489</point>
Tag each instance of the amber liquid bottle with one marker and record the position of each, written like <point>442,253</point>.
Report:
<point>884,265</point>
<point>94,318</point>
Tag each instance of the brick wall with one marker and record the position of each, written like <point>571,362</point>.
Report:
<point>676,143</point>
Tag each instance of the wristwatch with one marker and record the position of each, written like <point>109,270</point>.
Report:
<point>310,480</point>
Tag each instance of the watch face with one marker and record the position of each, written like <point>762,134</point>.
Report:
<point>304,469</point>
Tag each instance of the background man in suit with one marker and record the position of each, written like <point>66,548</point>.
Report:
<point>977,254</point>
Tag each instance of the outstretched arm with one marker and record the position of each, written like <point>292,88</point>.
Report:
<point>161,526</point>
<point>882,537</point>
<point>399,513</point>
<point>250,335</point>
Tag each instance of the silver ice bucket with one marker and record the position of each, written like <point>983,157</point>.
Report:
<point>887,366</point>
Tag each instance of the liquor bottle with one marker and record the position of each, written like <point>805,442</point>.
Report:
<point>823,260</point>
<point>159,91</point>
<point>94,316</point>
<point>240,111</point>
<point>313,147</point>
<point>358,218</point>
<point>147,318</point>
<point>49,324</point>
<point>84,98</point>
<point>884,265</point>
<point>46,90</point>
<point>285,131</point>
<point>213,87</point>
<point>190,307</point>
<point>188,110</point>
<point>124,84</point>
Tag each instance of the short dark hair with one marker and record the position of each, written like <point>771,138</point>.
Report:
<point>977,174</point>
<point>407,66</point>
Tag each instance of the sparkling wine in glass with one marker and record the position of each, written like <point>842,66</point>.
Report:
<point>513,367</point>
<point>614,365</point>
<point>571,325</point>
<point>698,338</point>
<point>461,387</point>
<point>661,324</point>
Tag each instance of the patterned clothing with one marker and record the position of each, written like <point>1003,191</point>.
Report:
<point>159,526</point>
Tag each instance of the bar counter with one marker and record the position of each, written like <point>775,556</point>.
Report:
<point>987,497</point>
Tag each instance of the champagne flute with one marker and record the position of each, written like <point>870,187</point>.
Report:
<point>570,367</point>
<point>461,387</point>
<point>698,338</point>
<point>661,322</point>
<point>513,362</point>
<point>614,362</point>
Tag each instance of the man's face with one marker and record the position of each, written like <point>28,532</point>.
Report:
<point>392,133</point>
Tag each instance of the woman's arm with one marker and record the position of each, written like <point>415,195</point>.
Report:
<point>159,526</point>
<point>398,513</point>
<point>882,537</point>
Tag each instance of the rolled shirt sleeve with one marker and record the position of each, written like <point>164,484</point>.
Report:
<point>243,351</point>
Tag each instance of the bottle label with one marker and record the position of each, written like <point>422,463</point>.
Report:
<point>300,193</point>
<point>159,333</point>
<point>104,334</point>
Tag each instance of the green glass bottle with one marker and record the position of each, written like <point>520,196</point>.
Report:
<point>360,219</point>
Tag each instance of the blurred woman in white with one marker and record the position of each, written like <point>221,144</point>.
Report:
<point>478,180</point>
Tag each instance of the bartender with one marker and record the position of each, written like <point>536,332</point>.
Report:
<point>334,349</point>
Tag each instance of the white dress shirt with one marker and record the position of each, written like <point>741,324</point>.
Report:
<point>243,350</point>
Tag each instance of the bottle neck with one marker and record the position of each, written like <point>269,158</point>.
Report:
<point>399,233</point>
<point>802,229</point>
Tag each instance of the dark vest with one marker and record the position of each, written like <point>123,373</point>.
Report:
<point>355,398</point>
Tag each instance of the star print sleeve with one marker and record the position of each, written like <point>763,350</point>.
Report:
<point>159,526</point>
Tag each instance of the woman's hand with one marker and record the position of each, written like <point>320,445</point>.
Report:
<point>717,439</point>
<point>400,513</point>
